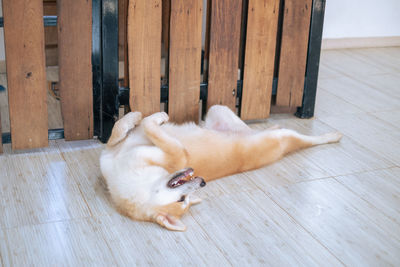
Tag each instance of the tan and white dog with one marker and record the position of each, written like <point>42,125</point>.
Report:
<point>152,167</point>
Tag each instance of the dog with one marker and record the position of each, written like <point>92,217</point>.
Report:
<point>152,167</point>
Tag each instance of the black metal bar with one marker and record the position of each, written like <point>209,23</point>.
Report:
<point>48,21</point>
<point>313,58</point>
<point>242,52</point>
<point>97,66</point>
<point>53,135</point>
<point>109,53</point>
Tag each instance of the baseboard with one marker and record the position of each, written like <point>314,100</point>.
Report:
<point>363,42</point>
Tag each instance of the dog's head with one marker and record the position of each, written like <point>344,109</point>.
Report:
<point>158,196</point>
<point>175,198</point>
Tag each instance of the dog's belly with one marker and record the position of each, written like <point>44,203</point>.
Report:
<point>214,158</point>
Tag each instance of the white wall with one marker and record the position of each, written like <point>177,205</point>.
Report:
<point>361,18</point>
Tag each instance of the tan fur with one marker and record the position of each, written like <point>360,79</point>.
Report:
<point>224,146</point>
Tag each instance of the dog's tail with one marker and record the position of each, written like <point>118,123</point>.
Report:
<point>122,127</point>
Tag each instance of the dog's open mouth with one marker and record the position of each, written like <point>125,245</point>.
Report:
<point>181,177</point>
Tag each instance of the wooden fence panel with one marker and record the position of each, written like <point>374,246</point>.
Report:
<point>262,26</point>
<point>26,77</point>
<point>185,60</point>
<point>224,52</point>
<point>75,68</point>
<point>293,57</point>
<point>166,12</point>
<point>123,41</point>
<point>144,51</point>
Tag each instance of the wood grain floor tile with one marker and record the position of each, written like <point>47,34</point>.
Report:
<point>352,229</point>
<point>73,243</point>
<point>379,188</point>
<point>388,84</point>
<point>359,94</point>
<point>392,117</point>
<point>35,188</point>
<point>326,72</point>
<point>4,253</point>
<point>82,159</point>
<point>147,244</point>
<point>348,65</point>
<point>373,57</point>
<point>251,230</point>
<point>328,104</point>
<point>227,186</point>
<point>370,132</point>
<point>387,58</point>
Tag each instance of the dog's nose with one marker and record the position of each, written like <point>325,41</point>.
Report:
<point>203,183</point>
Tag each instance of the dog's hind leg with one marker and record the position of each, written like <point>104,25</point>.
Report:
<point>123,126</point>
<point>221,118</point>
<point>176,155</point>
<point>268,146</point>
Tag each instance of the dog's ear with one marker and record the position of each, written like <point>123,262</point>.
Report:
<point>170,222</point>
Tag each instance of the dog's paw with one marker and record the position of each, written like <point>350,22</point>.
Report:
<point>159,118</point>
<point>333,137</point>
<point>194,200</point>
<point>133,118</point>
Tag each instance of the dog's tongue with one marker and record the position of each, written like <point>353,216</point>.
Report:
<point>181,177</point>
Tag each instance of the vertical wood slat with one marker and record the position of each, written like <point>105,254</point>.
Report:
<point>207,41</point>
<point>122,23</point>
<point>75,68</point>
<point>50,35</point>
<point>292,66</point>
<point>26,77</point>
<point>144,51</point>
<point>185,59</point>
<point>262,26</point>
<point>123,39</point>
<point>224,52</point>
<point>166,12</point>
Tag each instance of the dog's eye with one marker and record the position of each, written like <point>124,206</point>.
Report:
<point>182,198</point>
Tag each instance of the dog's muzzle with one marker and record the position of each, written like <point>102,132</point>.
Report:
<point>184,176</point>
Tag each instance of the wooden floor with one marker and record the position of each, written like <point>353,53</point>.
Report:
<point>329,205</point>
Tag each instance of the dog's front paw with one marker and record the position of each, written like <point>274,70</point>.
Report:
<point>132,118</point>
<point>159,118</point>
<point>194,200</point>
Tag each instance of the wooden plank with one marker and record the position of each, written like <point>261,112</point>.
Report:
<point>262,26</point>
<point>75,51</point>
<point>122,23</point>
<point>185,60</point>
<point>207,41</point>
<point>127,109</point>
<point>144,51</point>
<point>26,77</point>
<point>224,52</point>
<point>292,66</point>
<point>381,188</point>
<point>258,223</point>
<point>350,228</point>
<point>50,35</point>
<point>123,39</point>
<point>166,12</point>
